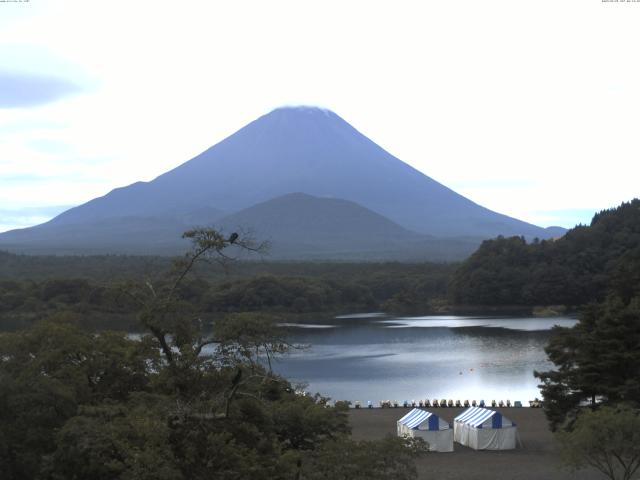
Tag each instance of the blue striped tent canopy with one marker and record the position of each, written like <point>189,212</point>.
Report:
<point>478,417</point>
<point>419,419</point>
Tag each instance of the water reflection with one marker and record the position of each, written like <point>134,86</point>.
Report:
<point>425,357</point>
<point>530,324</point>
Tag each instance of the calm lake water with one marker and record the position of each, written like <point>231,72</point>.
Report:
<point>377,357</point>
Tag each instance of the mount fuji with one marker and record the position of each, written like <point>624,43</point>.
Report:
<point>295,150</point>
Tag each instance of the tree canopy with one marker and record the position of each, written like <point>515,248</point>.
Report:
<point>574,270</point>
<point>607,439</point>
<point>185,400</point>
<point>597,361</point>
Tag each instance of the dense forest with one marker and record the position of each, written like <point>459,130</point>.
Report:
<point>574,270</point>
<point>95,288</point>
<point>76,405</point>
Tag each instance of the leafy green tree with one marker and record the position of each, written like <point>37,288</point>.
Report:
<point>303,424</point>
<point>597,361</point>
<point>574,270</point>
<point>250,337</point>
<point>48,371</point>
<point>124,441</point>
<point>607,439</point>
<point>185,401</point>
<point>175,324</point>
<point>366,460</point>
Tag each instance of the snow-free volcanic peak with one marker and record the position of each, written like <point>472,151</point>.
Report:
<point>294,149</point>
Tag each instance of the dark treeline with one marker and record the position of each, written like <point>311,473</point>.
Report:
<point>32,290</point>
<point>94,267</point>
<point>575,270</point>
<point>109,268</point>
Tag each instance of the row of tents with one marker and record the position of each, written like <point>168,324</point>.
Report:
<point>476,427</point>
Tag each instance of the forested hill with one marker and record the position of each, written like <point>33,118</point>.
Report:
<point>574,270</point>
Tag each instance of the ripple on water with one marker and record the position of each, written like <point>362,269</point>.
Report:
<point>406,357</point>
<point>529,324</point>
<point>306,325</point>
<point>362,315</point>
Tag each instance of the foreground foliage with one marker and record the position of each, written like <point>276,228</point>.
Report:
<point>597,361</point>
<point>184,401</point>
<point>607,439</point>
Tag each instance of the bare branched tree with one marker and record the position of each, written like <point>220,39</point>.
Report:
<point>178,330</point>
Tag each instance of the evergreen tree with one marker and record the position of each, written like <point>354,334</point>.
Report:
<point>597,361</point>
<point>574,270</point>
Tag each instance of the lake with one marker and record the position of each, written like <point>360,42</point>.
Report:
<point>377,357</point>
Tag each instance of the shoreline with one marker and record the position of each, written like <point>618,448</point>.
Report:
<point>537,459</point>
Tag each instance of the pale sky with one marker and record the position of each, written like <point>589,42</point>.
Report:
<point>530,108</point>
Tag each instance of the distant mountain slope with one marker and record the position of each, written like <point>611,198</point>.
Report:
<point>303,150</point>
<point>129,235</point>
<point>298,226</point>
<point>159,235</point>
<point>302,226</point>
<point>302,218</point>
<point>298,149</point>
<point>579,268</point>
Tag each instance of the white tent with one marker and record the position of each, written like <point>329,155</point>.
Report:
<point>428,426</point>
<point>484,429</point>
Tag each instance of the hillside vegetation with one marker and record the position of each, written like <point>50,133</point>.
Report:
<point>94,288</point>
<point>574,270</point>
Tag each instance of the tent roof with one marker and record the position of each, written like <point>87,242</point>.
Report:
<point>477,416</point>
<point>417,417</point>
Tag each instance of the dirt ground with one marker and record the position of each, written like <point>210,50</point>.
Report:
<point>536,460</point>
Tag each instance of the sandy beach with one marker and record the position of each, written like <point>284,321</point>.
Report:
<point>536,460</point>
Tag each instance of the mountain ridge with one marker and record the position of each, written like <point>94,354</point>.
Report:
<point>297,226</point>
<point>294,149</point>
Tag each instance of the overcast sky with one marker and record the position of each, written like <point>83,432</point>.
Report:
<point>530,108</point>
